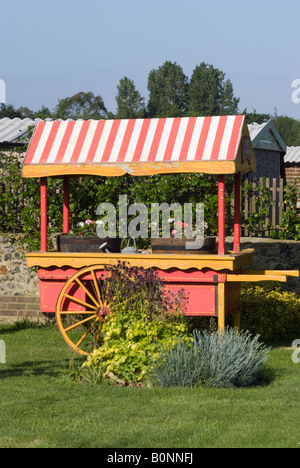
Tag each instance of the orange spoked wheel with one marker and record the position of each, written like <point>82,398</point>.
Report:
<point>84,303</point>
<point>81,309</point>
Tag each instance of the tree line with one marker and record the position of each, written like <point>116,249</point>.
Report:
<point>171,94</point>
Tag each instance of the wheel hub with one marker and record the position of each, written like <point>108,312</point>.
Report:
<point>103,312</point>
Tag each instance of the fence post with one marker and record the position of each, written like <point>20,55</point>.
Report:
<point>267,220</point>
<point>274,218</point>
<point>280,202</point>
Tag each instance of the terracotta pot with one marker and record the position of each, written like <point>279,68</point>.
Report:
<point>178,246</point>
<point>87,244</point>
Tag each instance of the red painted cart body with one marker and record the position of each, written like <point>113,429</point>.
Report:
<point>201,289</point>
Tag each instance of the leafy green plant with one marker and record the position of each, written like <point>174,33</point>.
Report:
<point>220,360</point>
<point>145,317</point>
<point>269,311</point>
<point>262,200</point>
<point>290,224</point>
<point>20,202</point>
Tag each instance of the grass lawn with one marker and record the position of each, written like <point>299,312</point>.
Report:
<point>41,408</point>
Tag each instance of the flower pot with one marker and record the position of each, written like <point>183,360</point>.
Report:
<point>90,244</point>
<point>178,246</point>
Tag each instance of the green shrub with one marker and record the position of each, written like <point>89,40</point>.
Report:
<point>176,365</point>
<point>230,359</point>
<point>142,318</point>
<point>129,344</point>
<point>271,312</point>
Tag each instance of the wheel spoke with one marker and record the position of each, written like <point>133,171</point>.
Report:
<point>77,324</point>
<point>87,292</point>
<point>77,312</point>
<point>85,335</point>
<point>78,301</point>
<point>96,287</point>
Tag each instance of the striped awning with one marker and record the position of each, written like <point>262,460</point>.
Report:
<point>215,145</point>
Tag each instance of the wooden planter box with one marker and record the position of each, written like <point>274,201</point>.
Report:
<point>87,244</point>
<point>178,246</point>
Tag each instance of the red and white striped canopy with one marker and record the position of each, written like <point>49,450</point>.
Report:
<point>138,146</point>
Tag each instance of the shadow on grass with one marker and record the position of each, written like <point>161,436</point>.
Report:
<point>34,369</point>
<point>24,324</point>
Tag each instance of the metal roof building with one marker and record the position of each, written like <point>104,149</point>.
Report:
<point>14,132</point>
<point>292,155</point>
<point>292,167</point>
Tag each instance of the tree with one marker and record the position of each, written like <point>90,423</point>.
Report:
<point>8,110</point>
<point>168,88</point>
<point>254,117</point>
<point>43,113</point>
<point>131,105</point>
<point>229,103</point>
<point>210,94</point>
<point>289,129</point>
<point>81,106</point>
<point>26,112</point>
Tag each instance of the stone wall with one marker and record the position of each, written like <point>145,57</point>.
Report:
<point>19,288</point>
<point>273,254</point>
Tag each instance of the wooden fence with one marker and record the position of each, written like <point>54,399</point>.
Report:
<point>262,206</point>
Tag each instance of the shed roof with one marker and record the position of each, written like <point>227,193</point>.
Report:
<point>13,132</point>
<point>216,145</point>
<point>265,136</point>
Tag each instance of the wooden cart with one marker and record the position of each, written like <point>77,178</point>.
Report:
<point>69,282</point>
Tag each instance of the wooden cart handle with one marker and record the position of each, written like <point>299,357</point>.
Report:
<point>254,276</point>
<point>264,275</point>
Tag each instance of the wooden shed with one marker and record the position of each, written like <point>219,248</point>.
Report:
<point>269,149</point>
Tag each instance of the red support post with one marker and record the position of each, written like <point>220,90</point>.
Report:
<point>43,214</point>
<point>221,217</point>
<point>237,213</point>
<point>66,205</point>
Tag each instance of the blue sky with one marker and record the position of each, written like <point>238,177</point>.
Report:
<point>51,50</point>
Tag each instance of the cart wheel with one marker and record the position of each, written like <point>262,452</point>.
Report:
<point>81,310</point>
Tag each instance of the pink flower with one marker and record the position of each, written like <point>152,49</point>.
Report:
<point>181,224</point>
<point>174,231</point>
<point>89,221</point>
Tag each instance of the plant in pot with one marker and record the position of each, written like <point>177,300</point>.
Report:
<point>181,242</point>
<point>84,239</point>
